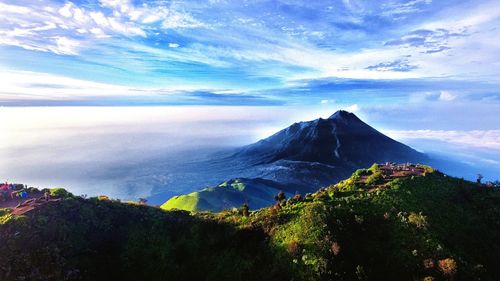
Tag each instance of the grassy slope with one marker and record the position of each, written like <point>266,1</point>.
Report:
<point>227,195</point>
<point>186,202</point>
<point>343,232</point>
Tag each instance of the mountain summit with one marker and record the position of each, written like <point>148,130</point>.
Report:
<point>341,140</point>
<point>342,114</point>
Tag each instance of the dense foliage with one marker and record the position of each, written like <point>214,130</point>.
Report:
<point>432,227</point>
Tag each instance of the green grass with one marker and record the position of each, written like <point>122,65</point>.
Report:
<point>188,202</point>
<point>421,227</point>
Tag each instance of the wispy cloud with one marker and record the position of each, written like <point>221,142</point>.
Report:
<point>489,139</point>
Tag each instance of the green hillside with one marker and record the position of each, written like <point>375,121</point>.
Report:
<point>429,227</point>
<point>257,193</point>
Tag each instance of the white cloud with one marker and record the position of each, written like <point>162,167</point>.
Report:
<point>173,45</point>
<point>23,27</point>
<point>489,139</point>
<point>14,9</point>
<point>446,96</point>
<point>65,11</point>
<point>65,46</point>
<point>99,19</point>
<point>29,86</point>
<point>352,108</point>
<point>399,10</point>
<point>180,20</point>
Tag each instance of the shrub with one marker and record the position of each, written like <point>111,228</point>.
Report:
<point>4,211</point>
<point>103,198</point>
<point>361,172</point>
<point>60,193</point>
<point>359,219</point>
<point>419,220</point>
<point>374,168</point>
<point>447,266</point>
<point>335,248</point>
<point>375,178</point>
<point>297,197</point>
<point>360,273</point>
<point>293,248</point>
<point>428,263</point>
<point>280,197</point>
<point>245,210</point>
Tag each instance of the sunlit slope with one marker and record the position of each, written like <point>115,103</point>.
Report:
<point>257,193</point>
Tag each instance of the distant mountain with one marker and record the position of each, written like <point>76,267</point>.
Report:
<point>341,140</point>
<point>300,158</point>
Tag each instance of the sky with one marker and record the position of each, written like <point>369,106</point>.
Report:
<point>424,72</point>
<point>217,52</point>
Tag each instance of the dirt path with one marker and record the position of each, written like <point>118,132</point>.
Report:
<point>11,203</point>
<point>21,206</point>
<point>31,204</point>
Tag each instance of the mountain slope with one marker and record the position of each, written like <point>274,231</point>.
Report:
<point>405,228</point>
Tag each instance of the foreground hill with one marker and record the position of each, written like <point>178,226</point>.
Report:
<point>303,157</point>
<point>419,225</point>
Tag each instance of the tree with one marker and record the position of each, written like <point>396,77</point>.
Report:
<point>245,210</point>
<point>479,178</point>
<point>280,197</point>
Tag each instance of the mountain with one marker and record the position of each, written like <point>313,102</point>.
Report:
<point>341,140</point>
<point>416,224</point>
<point>301,158</point>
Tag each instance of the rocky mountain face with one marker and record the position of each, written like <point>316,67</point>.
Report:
<point>341,140</point>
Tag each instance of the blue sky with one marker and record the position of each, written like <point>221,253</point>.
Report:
<point>247,52</point>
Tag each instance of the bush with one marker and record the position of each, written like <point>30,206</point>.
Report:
<point>60,193</point>
<point>448,266</point>
<point>293,248</point>
<point>335,248</point>
<point>418,220</point>
<point>428,263</point>
<point>244,210</point>
<point>374,168</point>
<point>361,172</point>
<point>375,178</point>
<point>4,211</point>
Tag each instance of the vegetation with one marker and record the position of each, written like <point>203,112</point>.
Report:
<point>60,193</point>
<point>431,227</point>
<point>187,202</point>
